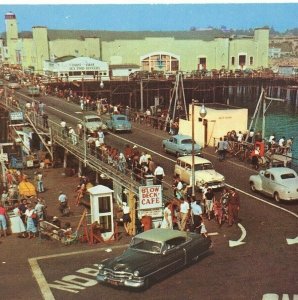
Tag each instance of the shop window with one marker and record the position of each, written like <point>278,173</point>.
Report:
<point>251,60</point>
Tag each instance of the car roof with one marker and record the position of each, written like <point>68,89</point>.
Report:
<point>181,136</point>
<point>198,160</point>
<point>281,170</point>
<point>117,115</point>
<point>161,234</point>
<point>91,116</point>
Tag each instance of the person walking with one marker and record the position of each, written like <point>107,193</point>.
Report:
<point>209,202</point>
<point>31,218</point>
<point>159,174</point>
<point>126,217</point>
<point>184,214</point>
<point>101,136</point>
<point>3,220</point>
<point>233,207</point>
<point>167,221</point>
<point>39,179</point>
<point>73,135</point>
<point>19,224</point>
<point>196,212</point>
<point>63,202</point>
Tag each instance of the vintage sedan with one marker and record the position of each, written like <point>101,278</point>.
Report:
<point>93,123</point>
<point>152,255</point>
<point>280,183</point>
<point>119,123</point>
<point>180,145</point>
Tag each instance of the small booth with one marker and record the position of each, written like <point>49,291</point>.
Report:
<point>101,204</point>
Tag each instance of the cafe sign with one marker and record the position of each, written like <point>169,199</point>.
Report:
<point>150,197</point>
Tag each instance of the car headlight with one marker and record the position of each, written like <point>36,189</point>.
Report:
<point>100,266</point>
<point>136,273</point>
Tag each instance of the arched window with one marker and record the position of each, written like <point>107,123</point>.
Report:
<point>160,61</point>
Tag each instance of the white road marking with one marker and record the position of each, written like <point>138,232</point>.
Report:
<point>41,280</point>
<point>292,241</point>
<point>239,242</point>
<point>62,112</point>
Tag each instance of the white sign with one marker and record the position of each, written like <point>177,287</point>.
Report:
<point>3,157</point>
<point>16,116</point>
<point>150,196</point>
<point>153,213</point>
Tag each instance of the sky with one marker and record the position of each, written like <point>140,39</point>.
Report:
<point>151,16</point>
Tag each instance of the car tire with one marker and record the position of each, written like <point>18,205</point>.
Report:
<point>252,186</point>
<point>276,197</point>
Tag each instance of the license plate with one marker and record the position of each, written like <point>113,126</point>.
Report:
<point>113,282</point>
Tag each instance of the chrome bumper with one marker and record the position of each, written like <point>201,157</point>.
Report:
<point>135,283</point>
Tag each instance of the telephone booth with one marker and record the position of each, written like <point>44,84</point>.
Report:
<point>101,204</point>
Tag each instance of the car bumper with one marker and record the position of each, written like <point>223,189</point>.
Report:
<point>217,185</point>
<point>122,128</point>
<point>134,283</point>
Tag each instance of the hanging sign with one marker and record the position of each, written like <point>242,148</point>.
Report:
<point>16,116</point>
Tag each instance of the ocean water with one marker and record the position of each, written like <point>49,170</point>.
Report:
<point>281,119</point>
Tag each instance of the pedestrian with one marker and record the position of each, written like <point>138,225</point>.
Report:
<point>31,218</point>
<point>41,107</point>
<point>3,220</point>
<point>72,134</point>
<point>255,158</point>
<point>159,174</point>
<point>233,207</point>
<point>218,211</point>
<point>45,118</point>
<point>63,128</point>
<point>40,209</point>
<point>101,136</point>
<point>39,179</point>
<point>62,202</point>
<point>178,187</point>
<point>196,212</point>
<point>126,217</point>
<point>19,226</point>
<point>167,221</point>
<point>209,202</point>
<point>184,213</point>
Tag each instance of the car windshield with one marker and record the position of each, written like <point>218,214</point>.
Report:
<point>93,120</point>
<point>287,176</point>
<point>121,118</point>
<point>145,245</point>
<point>187,141</point>
<point>207,166</point>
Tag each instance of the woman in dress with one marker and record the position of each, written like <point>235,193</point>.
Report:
<point>218,212</point>
<point>3,220</point>
<point>30,216</point>
<point>167,221</point>
<point>19,225</point>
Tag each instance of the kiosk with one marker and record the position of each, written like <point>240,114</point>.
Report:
<point>101,204</point>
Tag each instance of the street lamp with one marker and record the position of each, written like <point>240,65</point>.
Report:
<point>203,113</point>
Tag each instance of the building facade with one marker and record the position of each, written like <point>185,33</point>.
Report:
<point>161,51</point>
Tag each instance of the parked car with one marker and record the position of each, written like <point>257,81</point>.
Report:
<point>204,172</point>
<point>33,90</point>
<point>152,255</point>
<point>280,183</point>
<point>93,123</point>
<point>119,123</point>
<point>180,145</point>
<point>14,85</point>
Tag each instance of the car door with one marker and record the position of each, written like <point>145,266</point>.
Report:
<point>174,256</point>
<point>170,144</point>
<point>266,182</point>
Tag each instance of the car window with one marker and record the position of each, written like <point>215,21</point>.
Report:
<point>175,242</point>
<point>267,174</point>
<point>174,140</point>
<point>145,245</point>
<point>93,120</point>
<point>208,166</point>
<point>171,139</point>
<point>272,177</point>
<point>121,118</point>
<point>199,167</point>
<point>186,141</point>
<point>188,167</point>
<point>287,176</point>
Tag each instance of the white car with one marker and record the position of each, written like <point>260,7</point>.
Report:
<point>280,183</point>
<point>93,123</point>
<point>14,85</point>
<point>203,169</point>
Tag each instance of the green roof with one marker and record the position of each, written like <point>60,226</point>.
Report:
<point>161,235</point>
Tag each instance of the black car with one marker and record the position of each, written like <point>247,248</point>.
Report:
<point>152,255</point>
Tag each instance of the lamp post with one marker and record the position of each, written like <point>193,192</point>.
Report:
<point>203,113</point>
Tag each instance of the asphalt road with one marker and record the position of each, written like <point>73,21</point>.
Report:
<point>263,265</point>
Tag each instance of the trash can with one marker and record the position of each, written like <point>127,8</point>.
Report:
<point>149,179</point>
<point>147,222</point>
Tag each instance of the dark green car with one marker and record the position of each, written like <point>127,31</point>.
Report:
<point>152,255</point>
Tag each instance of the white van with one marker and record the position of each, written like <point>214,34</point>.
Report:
<point>204,172</point>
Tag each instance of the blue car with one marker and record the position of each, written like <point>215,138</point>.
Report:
<point>180,145</point>
<point>119,123</point>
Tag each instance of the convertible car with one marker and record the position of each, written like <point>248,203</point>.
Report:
<point>152,255</point>
<point>280,183</point>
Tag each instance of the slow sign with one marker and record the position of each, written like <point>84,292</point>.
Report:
<point>150,196</point>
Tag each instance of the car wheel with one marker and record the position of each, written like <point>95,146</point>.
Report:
<point>252,186</point>
<point>194,260</point>
<point>276,197</point>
